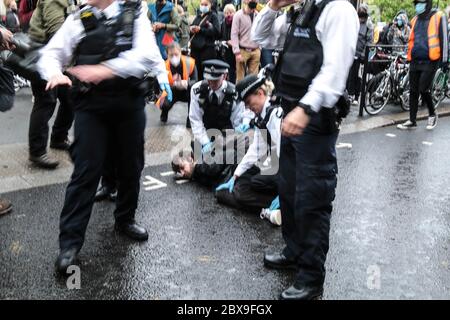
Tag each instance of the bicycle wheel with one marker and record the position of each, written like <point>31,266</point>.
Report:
<point>438,89</point>
<point>404,95</point>
<point>378,93</point>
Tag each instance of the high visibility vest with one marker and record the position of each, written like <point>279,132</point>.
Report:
<point>434,44</point>
<point>188,65</point>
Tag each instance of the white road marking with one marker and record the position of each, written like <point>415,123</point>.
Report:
<point>344,146</point>
<point>390,135</point>
<point>427,143</point>
<point>181,181</point>
<point>151,184</point>
<point>167,174</point>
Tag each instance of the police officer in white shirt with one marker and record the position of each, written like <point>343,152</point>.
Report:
<point>319,43</point>
<point>110,46</point>
<point>255,92</point>
<point>214,106</point>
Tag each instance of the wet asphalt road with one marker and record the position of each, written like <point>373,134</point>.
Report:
<point>389,236</point>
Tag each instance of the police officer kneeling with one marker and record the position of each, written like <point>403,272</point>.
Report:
<point>214,106</point>
<point>319,44</point>
<point>111,46</point>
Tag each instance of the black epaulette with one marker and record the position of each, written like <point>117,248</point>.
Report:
<point>88,18</point>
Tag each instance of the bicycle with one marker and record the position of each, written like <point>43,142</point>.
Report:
<point>389,85</point>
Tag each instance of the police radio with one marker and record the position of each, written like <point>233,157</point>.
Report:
<point>305,13</point>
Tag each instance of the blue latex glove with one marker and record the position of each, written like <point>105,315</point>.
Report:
<point>275,204</point>
<point>207,147</point>
<point>166,87</point>
<point>243,128</point>
<point>228,185</point>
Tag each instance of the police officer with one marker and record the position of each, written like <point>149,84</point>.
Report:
<point>319,44</point>
<point>255,91</point>
<point>109,46</point>
<point>214,106</point>
<point>427,51</point>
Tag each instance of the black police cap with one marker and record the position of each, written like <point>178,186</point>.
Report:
<point>214,69</point>
<point>249,85</point>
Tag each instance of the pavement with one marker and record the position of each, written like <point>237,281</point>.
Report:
<point>389,233</point>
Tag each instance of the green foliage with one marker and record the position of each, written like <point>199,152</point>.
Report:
<point>387,9</point>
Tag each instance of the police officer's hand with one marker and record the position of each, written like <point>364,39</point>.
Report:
<point>166,87</point>
<point>275,204</point>
<point>92,73</point>
<point>228,185</point>
<point>295,122</point>
<point>207,147</point>
<point>242,128</point>
<point>58,80</point>
<point>278,4</point>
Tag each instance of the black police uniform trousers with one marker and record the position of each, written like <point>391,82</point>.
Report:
<point>252,191</point>
<point>43,109</point>
<point>421,77</point>
<point>97,120</point>
<point>308,169</point>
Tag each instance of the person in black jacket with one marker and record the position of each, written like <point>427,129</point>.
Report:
<point>229,10</point>
<point>205,29</point>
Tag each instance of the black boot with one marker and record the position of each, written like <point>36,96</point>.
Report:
<point>44,161</point>
<point>302,293</point>
<point>132,231</point>
<point>279,261</point>
<point>66,259</point>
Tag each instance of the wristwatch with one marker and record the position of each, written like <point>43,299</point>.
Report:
<point>308,110</point>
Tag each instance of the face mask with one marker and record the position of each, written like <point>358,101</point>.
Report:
<point>400,23</point>
<point>175,61</point>
<point>204,9</point>
<point>229,20</point>
<point>252,5</point>
<point>421,7</point>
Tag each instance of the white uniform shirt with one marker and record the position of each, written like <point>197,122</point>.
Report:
<point>337,30</point>
<point>141,59</point>
<point>258,148</point>
<point>239,114</point>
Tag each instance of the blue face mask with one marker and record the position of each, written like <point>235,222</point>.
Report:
<point>400,22</point>
<point>204,9</point>
<point>421,7</point>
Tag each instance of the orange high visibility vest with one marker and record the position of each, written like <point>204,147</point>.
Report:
<point>188,65</point>
<point>434,44</point>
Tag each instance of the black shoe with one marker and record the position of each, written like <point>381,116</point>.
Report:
<point>104,192</point>
<point>132,231</point>
<point>279,261</point>
<point>66,259</point>
<point>302,293</point>
<point>44,161</point>
<point>60,145</point>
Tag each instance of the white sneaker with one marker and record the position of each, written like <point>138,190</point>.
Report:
<point>432,122</point>
<point>408,125</point>
<point>273,216</point>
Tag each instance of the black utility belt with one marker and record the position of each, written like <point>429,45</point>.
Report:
<point>326,112</point>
